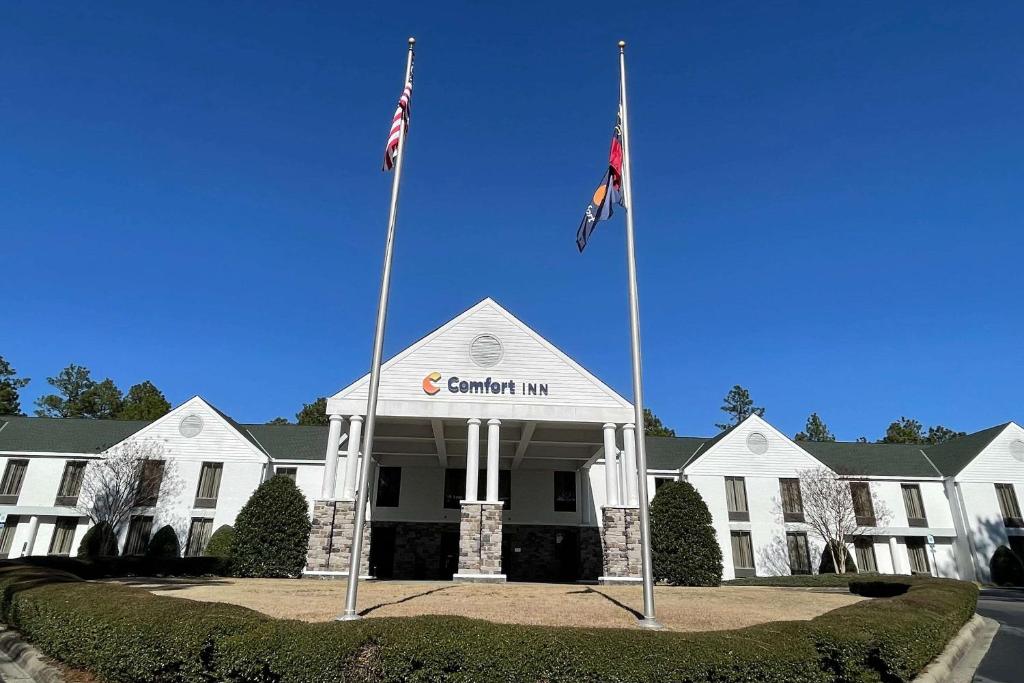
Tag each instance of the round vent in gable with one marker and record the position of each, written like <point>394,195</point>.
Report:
<point>190,426</point>
<point>486,351</point>
<point>757,443</point>
<point>1017,449</point>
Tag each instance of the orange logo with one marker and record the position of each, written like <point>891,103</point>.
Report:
<point>428,383</point>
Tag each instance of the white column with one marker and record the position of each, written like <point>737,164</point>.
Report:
<point>493,440</point>
<point>355,438</point>
<point>472,458</point>
<point>897,566</point>
<point>331,458</point>
<point>629,464</point>
<point>611,466</point>
<point>33,529</point>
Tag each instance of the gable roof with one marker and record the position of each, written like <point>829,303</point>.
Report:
<point>872,459</point>
<point>951,457</point>
<point>87,436</point>
<point>672,452</point>
<point>63,435</point>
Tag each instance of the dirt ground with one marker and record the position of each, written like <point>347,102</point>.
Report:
<point>679,609</point>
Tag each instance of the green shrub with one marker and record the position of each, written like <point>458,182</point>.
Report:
<point>220,542</point>
<point>123,634</point>
<point>99,541</point>
<point>684,548</point>
<point>164,544</point>
<point>1006,568</point>
<point>272,531</point>
<point>112,567</point>
<point>828,565</point>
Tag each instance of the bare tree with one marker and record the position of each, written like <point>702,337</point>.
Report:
<point>831,513</point>
<point>126,477</point>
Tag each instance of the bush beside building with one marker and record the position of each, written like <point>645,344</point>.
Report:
<point>684,548</point>
<point>272,531</point>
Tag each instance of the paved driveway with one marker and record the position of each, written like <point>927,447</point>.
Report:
<point>1004,662</point>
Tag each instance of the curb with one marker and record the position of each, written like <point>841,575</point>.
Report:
<point>976,632</point>
<point>29,659</point>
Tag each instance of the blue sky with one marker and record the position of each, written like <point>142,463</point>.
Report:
<point>828,199</point>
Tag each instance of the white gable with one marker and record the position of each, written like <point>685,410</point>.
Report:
<point>733,455</point>
<point>205,436</point>
<point>1000,461</point>
<point>522,376</point>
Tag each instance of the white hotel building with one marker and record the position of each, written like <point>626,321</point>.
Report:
<point>556,495</point>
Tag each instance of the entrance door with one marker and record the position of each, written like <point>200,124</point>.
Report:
<point>449,553</point>
<point>567,552</point>
<point>382,551</point>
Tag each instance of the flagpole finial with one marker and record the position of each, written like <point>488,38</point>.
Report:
<point>622,44</point>
<point>412,41</point>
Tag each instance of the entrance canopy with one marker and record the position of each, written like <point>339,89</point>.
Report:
<point>486,364</point>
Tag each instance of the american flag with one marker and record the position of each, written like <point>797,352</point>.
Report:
<point>401,118</point>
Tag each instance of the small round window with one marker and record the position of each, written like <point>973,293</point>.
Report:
<point>486,351</point>
<point>1017,450</point>
<point>190,426</point>
<point>757,443</point>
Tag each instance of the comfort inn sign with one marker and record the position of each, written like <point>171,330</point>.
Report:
<point>457,385</point>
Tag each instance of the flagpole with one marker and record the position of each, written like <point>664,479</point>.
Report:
<point>378,348</point>
<point>649,620</point>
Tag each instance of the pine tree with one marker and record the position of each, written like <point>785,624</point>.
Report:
<point>144,402</point>
<point>314,413</point>
<point>10,400</point>
<point>904,430</point>
<point>739,406</point>
<point>653,425</point>
<point>816,430</point>
<point>72,384</point>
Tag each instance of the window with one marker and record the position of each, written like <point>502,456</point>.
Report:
<point>565,492</point>
<point>63,534</point>
<point>865,549</point>
<point>150,478</point>
<point>389,486</point>
<point>455,487</point>
<point>209,484</point>
<point>863,508</point>
<point>661,481</point>
<point>742,554</point>
<point>198,536</point>
<point>1008,505</point>
<point>799,553</point>
<point>14,477</point>
<point>736,495</point>
<point>138,534</point>
<point>7,535</point>
<point>70,484</point>
<point>792,502</point>
<point>915,506</point>
<point>289,472</point>
<point>918,556</point>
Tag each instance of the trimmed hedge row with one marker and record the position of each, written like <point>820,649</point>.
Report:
<point>814,580</point>
<point>125,634</point>
<point>113,567</point>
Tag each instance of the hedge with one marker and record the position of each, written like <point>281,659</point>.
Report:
<point>133,565</point>
<point>126,634</point>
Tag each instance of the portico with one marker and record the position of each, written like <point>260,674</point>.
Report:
<point>483,394</point>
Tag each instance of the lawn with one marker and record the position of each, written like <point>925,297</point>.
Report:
<point>679,609</point>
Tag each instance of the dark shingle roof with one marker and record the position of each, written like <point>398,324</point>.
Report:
<point>671,452</point>
<point>953,456</point>
<point>63,435</point>
<point>878,459</point>
<point>74,435</point>
<point>291,442</point>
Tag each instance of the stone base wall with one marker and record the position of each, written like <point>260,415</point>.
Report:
<point>330,540</point>
<point>620,542</point>
<point>480,539</point>
<point>535,552</point>
<point>418,549</point>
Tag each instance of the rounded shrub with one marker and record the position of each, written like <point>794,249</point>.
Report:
<point>684,548</point>
<point>828,566</point>
<point>99,541</point>
<point>1006,568</point>
<point>272,531</point>
<point>220,542</point>
<point>164,544</point>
